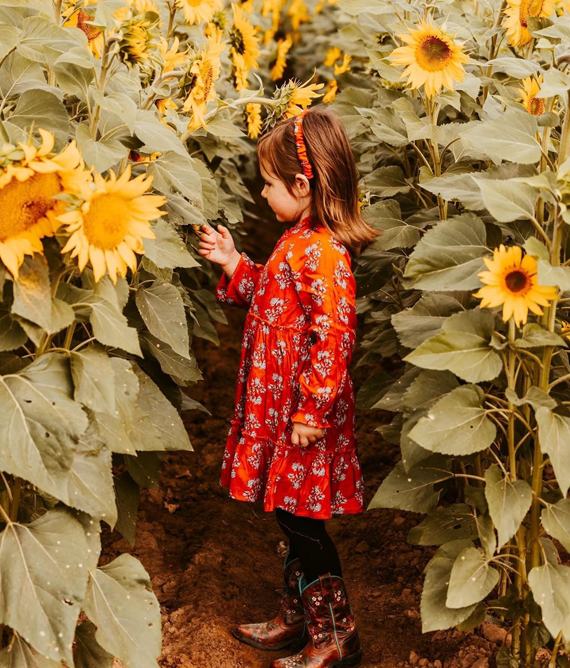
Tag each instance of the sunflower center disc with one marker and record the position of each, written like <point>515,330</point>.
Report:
<point>107,221</point>
<point>91,32</point>
<point>433,54</point>
<point>516,281</point>
<point>23,204</point>
<point>536,106</point>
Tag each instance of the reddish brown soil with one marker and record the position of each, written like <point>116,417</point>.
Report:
<point>215,562</point>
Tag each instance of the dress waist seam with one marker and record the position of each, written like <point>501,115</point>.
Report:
<point>272,324</point>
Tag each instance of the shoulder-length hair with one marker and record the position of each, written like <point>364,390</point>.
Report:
<point>335,183</point>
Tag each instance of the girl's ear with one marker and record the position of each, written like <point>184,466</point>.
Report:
<point>302,185</point>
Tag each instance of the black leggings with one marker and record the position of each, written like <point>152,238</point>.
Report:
<point>310,543</point>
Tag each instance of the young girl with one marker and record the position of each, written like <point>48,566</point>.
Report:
<point>292,441</point>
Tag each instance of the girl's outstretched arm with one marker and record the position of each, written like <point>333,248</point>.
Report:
<point>327,290</point>
<point>239,289</point>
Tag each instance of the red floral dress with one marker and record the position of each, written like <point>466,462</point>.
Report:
<point>297,344</point>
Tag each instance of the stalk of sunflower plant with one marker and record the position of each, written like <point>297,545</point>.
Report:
<point>30,178</point>
<point>432,59</point>
<point>107,228</point>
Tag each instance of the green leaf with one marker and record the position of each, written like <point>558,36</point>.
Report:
<point>461,187</point>
<point>535,336</point>
<point>43,578</point>
<point>472,579</point>
<point>101,154</point>
<point>12,336</point>
<point>89,652</point>
<point>554,435</point>
<point>162,310</point>
<point>110,326</point>
<point>386,181</point>
<point>170,430</point>
<point>413,490</point>
<point>449,256</point>
<point>40,36</point>
<point>425,319</point>
<point>144,468</point>
<point>396,233</point>
<point>92,375</point>
<point>550,585</point>
<point>555,519</point>
<point>435,614</point>
<point>128,494</point>
<point>175,173</point>
<point>462,347</point>
<point>549,275</point>
<point>119,104</point>
<point>510,136</point>
<point>40,109</point>
<point>40,424</point>
<point>91,478</point>
<point>74,72</point>
<point>509,502</point>
<point>391,400</point>
<point>33,300</point>
<point>184,371</point>
<point>156,135</point>
<point>457,424</point>
<point>126,613</point>
<point>443,525</point>
<point>223,127</point>
<point>168,251</point>
<point>19,654</point>
<point>412,453</point>
<point>518,68</point>
<point>428,388</point>
<point>536,248</point>
<point>508,200</point>
<point>535,397</point>
<point>554,83</point>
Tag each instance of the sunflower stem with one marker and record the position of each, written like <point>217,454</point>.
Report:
<point>69,336</point>
<point>511,407</point>
<point>172,9</point>
<point>565,136</point>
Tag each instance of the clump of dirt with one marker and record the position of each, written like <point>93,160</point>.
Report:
<point>214,562</point>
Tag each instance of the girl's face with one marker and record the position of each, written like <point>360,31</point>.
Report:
<point>286,206</point>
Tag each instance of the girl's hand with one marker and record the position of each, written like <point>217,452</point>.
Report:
<point>302,434</point>
<point>217,247</point>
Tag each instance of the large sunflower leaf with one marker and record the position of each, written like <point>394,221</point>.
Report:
<point>162,309</point>
<point>449,256</point>
<point>93,378</point>
<point>43,579</point>
<point>40,424</point>
<point>121,604</point>
<point>168,251</point>
<point>411,490</point>
<point>442,525</point>
<point>435,614</point>
<point>555,519</point>
<point>89,653</point>
<point>509,502</point>
<point>554,435</point>
<point>550,585</point>
<point>457,424</point>
<point>508,200</point>
<point>12,335</point>
<point>472,579</point>
<point>110,326</point>
<point>462,347</point>
<point>20,655</point>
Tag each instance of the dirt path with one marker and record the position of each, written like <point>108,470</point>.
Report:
<point>215,562</point>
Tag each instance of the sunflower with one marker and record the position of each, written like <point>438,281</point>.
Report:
<point>278,68</point>
<point>433,59</point>
<point>518,12</point>
<point>271,8</point>
<point>254,122</point>
<point>333,54</point>
<point>108,228</point>
<point>164,104</point>
<point>139,39</point>
<point>95,37</point>
<point>302,96</point>
<point>205,70</point>
<point>243,40</point>
<point>534,105</point>
<point>332,90</point>
<point>298,14</point>
<point>198,11</point>
<point>344,66</point>
<point>171,57</point>
<point>29,180</point>
<point>511,281</point>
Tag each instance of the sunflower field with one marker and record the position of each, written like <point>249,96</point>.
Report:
<point>126,125</point>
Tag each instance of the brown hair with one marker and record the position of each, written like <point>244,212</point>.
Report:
<point>335,182</point>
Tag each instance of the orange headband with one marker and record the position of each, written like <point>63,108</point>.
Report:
<point>301,147</point>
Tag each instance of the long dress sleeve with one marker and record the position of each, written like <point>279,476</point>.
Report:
<point>239,289</point>
<point>326,288</point>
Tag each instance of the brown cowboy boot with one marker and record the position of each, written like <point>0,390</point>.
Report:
<point>333,638</point>
<point>287,629</point>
